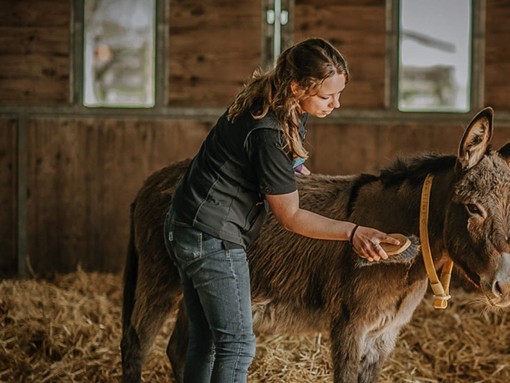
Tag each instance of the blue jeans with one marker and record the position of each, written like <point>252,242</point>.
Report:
<point>216,287</point>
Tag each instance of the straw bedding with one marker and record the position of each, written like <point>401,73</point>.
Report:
<point>68,330</point>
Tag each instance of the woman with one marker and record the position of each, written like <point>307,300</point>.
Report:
<point>245,166</point>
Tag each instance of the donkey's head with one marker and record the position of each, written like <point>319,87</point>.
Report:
<point>477,230</point>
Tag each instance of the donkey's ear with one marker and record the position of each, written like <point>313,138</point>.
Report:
<point>476,139</point>
<point>505,152</point>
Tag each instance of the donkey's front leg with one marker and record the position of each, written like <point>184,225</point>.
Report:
<point>374,354</point>
<point>346,342</point>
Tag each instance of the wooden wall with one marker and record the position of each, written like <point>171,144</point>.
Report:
<point>83,175</point>
<point>34,52</point>
<point>358,30</point>
<point>84,166</point>
<point>497,55</point>
<point>8,206</point>
<point>214,46</point>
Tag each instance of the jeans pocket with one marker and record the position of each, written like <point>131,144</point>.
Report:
<point>186,243</point>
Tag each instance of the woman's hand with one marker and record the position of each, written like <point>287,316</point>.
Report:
<point>366,242</point>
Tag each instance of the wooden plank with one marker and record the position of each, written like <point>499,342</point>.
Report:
<point>35,13</point>
<point>34,52</point>
<point>358,30</point>
<point>32,91</point>
<point>355,148</point>
<point>34,61</point>
<point>208,61</point>
<point>327,3</point>
<point>349,149</point>
<point>30,40</point>
<point>498,14</point>
<point>8,259</point>
<point>41,66</point>
<point>83,176</point>
<point>35,79</point>
<point>338,15</point>
<point>497,86</point>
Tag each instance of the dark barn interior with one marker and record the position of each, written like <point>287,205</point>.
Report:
<point>70,169</point>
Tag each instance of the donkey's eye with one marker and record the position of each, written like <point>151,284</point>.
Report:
<point>473,209</point>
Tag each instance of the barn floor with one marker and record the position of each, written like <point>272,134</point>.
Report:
<point>68,330</point>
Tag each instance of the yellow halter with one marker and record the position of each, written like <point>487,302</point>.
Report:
<point>440,287</point>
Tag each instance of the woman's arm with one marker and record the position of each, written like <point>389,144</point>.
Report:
<point>366,240</point>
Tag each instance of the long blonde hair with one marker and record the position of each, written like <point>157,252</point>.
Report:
<point>308,64</point>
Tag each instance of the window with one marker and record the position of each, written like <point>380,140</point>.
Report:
<point>434,55</point>
<point>119,50</point>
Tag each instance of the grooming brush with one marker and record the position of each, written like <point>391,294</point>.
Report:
<point>403,253</point>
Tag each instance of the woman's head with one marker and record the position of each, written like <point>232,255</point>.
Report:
<point>308,64</point>
<point>308,77</point>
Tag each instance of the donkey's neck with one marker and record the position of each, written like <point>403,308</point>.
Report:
<point>410,174</point>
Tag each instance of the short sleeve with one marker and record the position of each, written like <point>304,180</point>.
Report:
<point>272,165</point>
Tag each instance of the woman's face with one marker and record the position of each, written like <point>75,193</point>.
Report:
<point>327,97</point>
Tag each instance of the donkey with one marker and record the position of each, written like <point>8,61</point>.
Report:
<point>305,284</point>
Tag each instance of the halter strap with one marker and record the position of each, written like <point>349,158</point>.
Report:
<point>440,287</point>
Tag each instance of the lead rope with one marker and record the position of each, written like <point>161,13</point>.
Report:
<point>440,287</point>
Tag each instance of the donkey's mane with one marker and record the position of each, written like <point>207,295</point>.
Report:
<point>414,169</point>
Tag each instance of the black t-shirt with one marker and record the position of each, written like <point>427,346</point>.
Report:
<point>272,165</point>
<point>222,192</point>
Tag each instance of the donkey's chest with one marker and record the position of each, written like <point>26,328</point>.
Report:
<point>396,313</point>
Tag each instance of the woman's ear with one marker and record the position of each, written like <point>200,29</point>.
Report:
<point>294,87</point>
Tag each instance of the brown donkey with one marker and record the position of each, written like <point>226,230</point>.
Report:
<point>300,283</point>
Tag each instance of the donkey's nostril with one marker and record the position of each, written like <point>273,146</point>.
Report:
<point>496,288</point>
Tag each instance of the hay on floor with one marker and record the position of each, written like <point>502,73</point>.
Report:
<point>68,330</point>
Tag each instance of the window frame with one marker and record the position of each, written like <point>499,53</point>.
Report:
<point>477,65</point>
